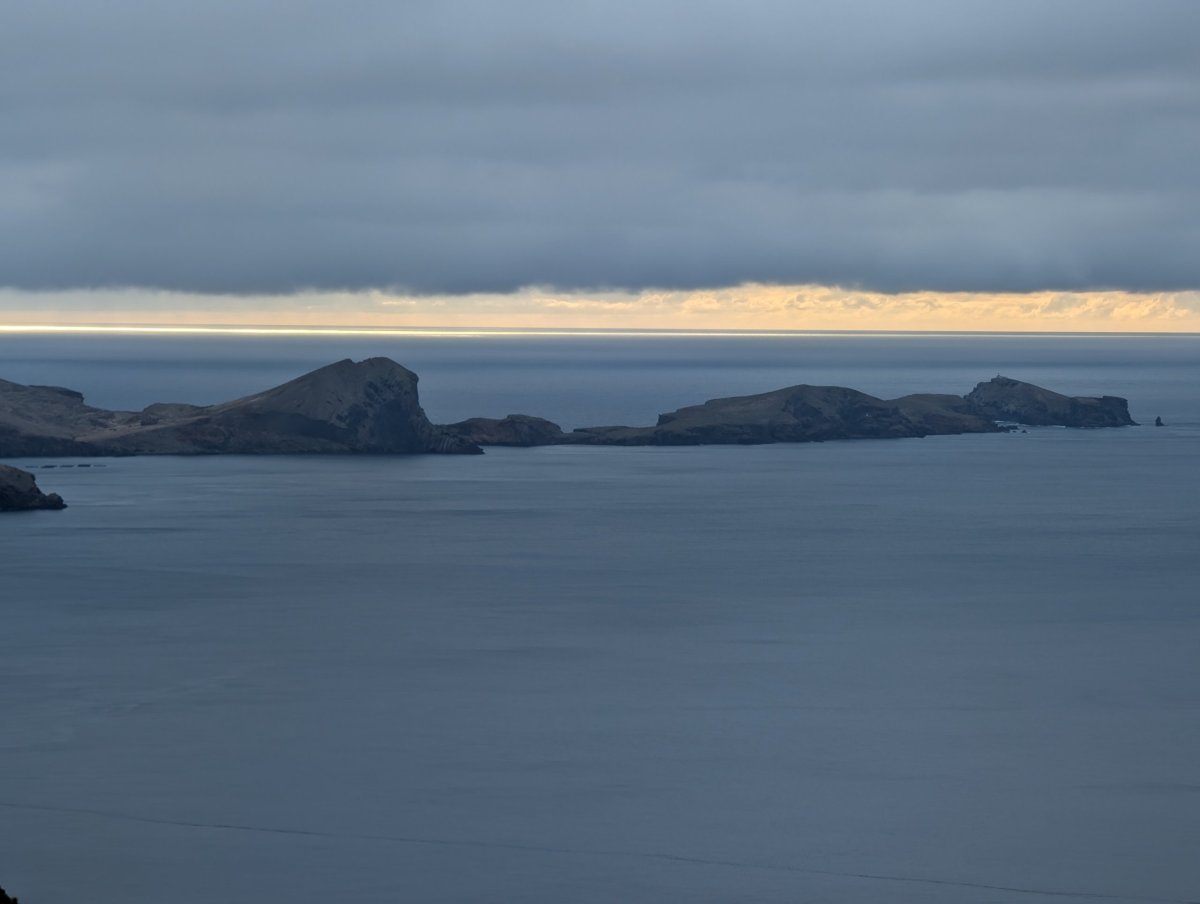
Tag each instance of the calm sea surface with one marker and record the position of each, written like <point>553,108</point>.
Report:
<point>958,669</point>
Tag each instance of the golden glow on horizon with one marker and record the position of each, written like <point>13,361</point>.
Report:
<point>746,309</point>
<point>500,333</point>
<point>386,331</point>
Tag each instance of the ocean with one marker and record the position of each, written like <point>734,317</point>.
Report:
<point>955,669</point>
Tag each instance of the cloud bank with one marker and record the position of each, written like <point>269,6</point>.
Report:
<point>474,147</point>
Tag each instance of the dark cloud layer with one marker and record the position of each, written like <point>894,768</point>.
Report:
<point>250,146</point>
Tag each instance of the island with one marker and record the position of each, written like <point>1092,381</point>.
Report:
<point>19,492</point>
<point>801,414</point>
<point>372,407</point>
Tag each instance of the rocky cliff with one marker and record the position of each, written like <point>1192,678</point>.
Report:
<point>19,492</point>
<point>367,407</point>
<point>1006,399</point>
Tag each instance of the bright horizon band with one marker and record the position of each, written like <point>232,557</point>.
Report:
<point>501,332</point>
<point>750,308</point>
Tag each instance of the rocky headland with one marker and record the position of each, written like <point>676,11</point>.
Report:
<point>372,407</point>
<point>1005,399</point>
<point>19,492</point>
<point>367,407</point>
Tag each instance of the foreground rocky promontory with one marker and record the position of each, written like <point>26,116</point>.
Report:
<point>19,492</point>
<point>372,407</point>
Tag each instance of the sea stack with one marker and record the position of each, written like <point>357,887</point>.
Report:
<point>19,492</point>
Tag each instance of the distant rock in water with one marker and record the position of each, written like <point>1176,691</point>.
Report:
<point>513,430</point>
<point>19,492</point>
<point>1158,422</point>
<point>1005,399</point>
<point>367,407</point>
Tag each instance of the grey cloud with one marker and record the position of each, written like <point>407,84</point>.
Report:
<point>452,147</point>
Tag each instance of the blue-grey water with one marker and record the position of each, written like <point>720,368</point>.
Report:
<point>958,669</point>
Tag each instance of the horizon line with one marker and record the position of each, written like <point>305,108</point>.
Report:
<point>218,329</point>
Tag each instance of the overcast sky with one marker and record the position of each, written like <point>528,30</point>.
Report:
<point>443,148</point>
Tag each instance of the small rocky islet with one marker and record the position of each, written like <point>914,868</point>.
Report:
<point>372,407</point>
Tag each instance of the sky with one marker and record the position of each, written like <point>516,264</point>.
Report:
<point>859,164</point>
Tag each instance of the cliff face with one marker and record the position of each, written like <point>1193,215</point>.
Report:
<point>1005,399</point>
<point>44,420</point>
<point>366,407</point>
<point>19,492</point>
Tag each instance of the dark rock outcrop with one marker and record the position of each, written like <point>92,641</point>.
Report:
<point>1005,399</point>
<point>513,430</point>
<point>367,407</point>
<point>19,492</point>
<point>1158,422</point>
<point>5,899</point>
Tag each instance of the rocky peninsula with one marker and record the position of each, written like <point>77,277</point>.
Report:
<point>372,406</point>
<point>19,492</point>
<point>800,414</point>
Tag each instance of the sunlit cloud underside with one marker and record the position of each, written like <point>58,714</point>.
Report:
<point>746,307</point>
